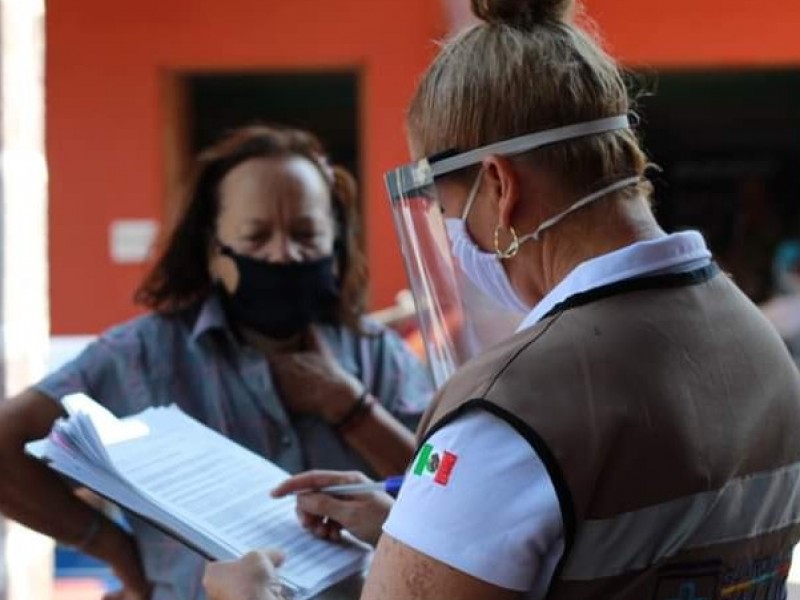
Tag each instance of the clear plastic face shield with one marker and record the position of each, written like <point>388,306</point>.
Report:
<point>457,319</point>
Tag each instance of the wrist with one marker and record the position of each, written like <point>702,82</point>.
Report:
<point>114,546</point>
<point>356,415</point>
<point>344,403</point>
<point>90,533</point>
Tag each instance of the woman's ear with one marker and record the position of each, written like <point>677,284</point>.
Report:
<point>212,256</point>
<point>503,185</point>
<point>222,268</point>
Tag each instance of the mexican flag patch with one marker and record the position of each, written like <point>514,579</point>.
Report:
<point>434,463</point>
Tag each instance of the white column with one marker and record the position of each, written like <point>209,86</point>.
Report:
<point>24,307</point>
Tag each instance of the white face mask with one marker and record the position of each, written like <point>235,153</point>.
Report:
<point>485,269</point>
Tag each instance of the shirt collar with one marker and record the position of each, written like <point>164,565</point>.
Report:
<point>210,317</point>
<point>671,253</point>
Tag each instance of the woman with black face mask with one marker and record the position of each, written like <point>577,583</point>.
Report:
<point>256,329</point>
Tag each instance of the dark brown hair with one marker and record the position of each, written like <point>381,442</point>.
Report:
<point>528,68</point>
<point>179,278</point>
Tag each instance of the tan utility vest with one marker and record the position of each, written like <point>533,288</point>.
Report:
<point>667,412</point>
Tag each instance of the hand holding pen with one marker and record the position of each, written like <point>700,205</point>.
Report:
<point>326,513</point>
<point>390,485</point>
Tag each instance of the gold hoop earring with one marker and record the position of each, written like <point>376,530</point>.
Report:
<point>513,247</point>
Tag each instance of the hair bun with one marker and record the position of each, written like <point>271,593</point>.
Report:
<point>523,14</point>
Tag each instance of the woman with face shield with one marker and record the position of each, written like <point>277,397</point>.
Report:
<point>637,436</point>
<point>256,329</point>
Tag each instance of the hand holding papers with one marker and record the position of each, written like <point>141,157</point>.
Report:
<point>196,485</point>
<point>252,577</point>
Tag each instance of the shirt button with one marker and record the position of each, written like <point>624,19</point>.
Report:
<point>286,440</point>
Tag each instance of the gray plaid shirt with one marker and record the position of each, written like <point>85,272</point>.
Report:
<point>193,360</point>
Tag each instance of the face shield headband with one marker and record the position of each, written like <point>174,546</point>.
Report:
<point>408,180</point>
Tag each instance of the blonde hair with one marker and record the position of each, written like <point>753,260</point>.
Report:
<point>527,68</point>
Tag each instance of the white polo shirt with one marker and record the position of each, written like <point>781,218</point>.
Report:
<point>491,509</point>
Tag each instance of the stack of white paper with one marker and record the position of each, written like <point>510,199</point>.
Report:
<point>196,485</point>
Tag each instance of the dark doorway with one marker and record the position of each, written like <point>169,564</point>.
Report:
<point>200,107</point>
<point>325,103</point>
<point>729,146</point>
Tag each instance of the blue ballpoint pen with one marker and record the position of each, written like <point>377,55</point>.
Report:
<point>391,486</point>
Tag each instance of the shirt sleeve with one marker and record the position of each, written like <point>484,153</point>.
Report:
<point>479,499</point>
<point>401,382</point>
<point>107,370</point>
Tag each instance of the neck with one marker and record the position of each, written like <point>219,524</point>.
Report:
<point>622,222</point>
<point>270,345</point>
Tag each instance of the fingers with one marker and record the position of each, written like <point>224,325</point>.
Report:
<point>321,505</point>
<point>314,480</point>
<point>328,529</point>
<point>284,364</point>
<point>307,521</point>
<point>219,576</point>
<point>232,580</point>
<point>326,506</point>
<point>321,525</point>
<point>326,516</point>
<point>296,368</point>
<point>335,534</point>
<point>276,557</point>
<point>263,562</point>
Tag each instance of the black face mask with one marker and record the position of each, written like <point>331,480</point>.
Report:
<point>281,299</point>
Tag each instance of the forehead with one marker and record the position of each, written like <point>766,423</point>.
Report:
<point>270,183</point>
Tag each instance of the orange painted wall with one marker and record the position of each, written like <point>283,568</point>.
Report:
<point>699,33</point>
<point>105,120</point>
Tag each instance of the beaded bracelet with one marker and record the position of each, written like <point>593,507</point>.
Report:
<point>356,413</point>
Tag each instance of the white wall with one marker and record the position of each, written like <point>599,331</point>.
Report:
<point>24,309</point>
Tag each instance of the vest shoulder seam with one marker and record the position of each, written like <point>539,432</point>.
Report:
<point>514,355</point>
